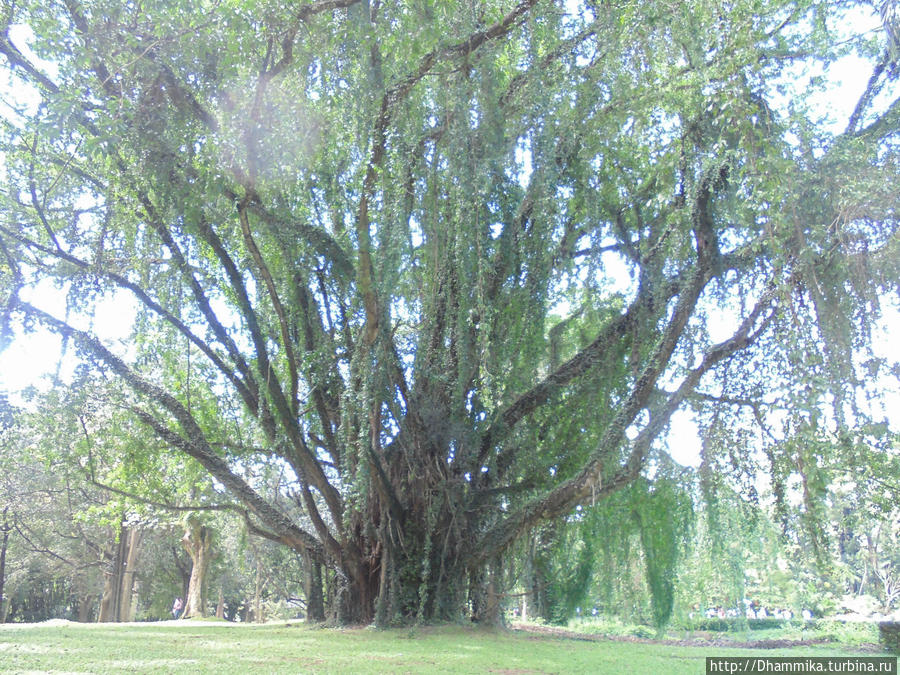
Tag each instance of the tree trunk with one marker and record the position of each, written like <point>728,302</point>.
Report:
<point>315,604</point>
<point>107,600</point>
<point>4,543</point>
<point>119,578</point>
<point>220,605</point>
<point>260,584</point>
<point>485,595</point>
<point>356,601</point>
<point>112,583</point>
<point>85,605</point>
<point>197,541</point>
<point>128,591</point>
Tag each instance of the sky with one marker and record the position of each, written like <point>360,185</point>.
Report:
<point>33,357</point>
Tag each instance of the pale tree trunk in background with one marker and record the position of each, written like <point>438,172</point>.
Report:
<point>112,583</point>
<point>197,541</point>
<point>485,595</point>
<point>128,592</point>
<point>257,596</point>
<point>107,600</point>
<point>5,529</point>
<point>86,594</point>
<point>220,605</point>
<point>118,588</point>
<point>85,605</point>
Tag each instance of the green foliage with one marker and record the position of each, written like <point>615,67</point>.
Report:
<point>649,525</point>
<point>889,633</point>
<point>665,518</point>
<point>562,568</point>
<point>54,558</point>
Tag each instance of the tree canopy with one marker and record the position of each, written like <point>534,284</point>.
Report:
<point>450,266</point>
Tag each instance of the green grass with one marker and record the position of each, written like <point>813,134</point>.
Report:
<point>203,647</point>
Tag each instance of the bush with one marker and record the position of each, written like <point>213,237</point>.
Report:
<point>889,632</point>
<point>714,624</point>
<point>718,625</point>
<point>764,624</point>
<point>642,632</point>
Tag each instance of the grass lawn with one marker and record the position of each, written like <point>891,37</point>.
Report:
<point>209,647</point>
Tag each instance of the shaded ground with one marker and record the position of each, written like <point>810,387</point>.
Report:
<point>702,639</point>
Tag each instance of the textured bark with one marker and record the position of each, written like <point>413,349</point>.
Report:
<point>85,607</point>
<point>129,592</point>
<point>486,592</point>
<point>315,603</point>
<point>116,603</point>
<point>197,541</point>
<point>4,543</point>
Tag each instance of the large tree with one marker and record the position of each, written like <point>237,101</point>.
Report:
<point>365,228</point>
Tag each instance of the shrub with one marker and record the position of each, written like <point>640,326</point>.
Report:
<point>763,624</point>
<point>718,625</point>
<point>889,632</point>
<point>642,632</point>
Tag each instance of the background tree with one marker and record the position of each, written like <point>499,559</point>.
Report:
<point>54,560</point>
<point>358,222</point>
<point>78,545</point>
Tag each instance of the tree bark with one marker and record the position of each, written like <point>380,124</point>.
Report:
<point>129,590</point>
<point>315,604</point>
<point>116,602</point>
<point>4,544</point>
<point>486,594</point>
<point>85,605</point>
<point>197,541</point>
<point>112,581</point>
<point>257,594</point>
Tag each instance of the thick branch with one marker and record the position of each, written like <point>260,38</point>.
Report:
<point>585,360</point>
<point>287,344</point>
<point>751,328</point>
<point>868,94</point>
<point>17,60</point>
<point>587,481</point>
<point>308,461</point>
<point>391,99</point>
<point>197,290</point>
